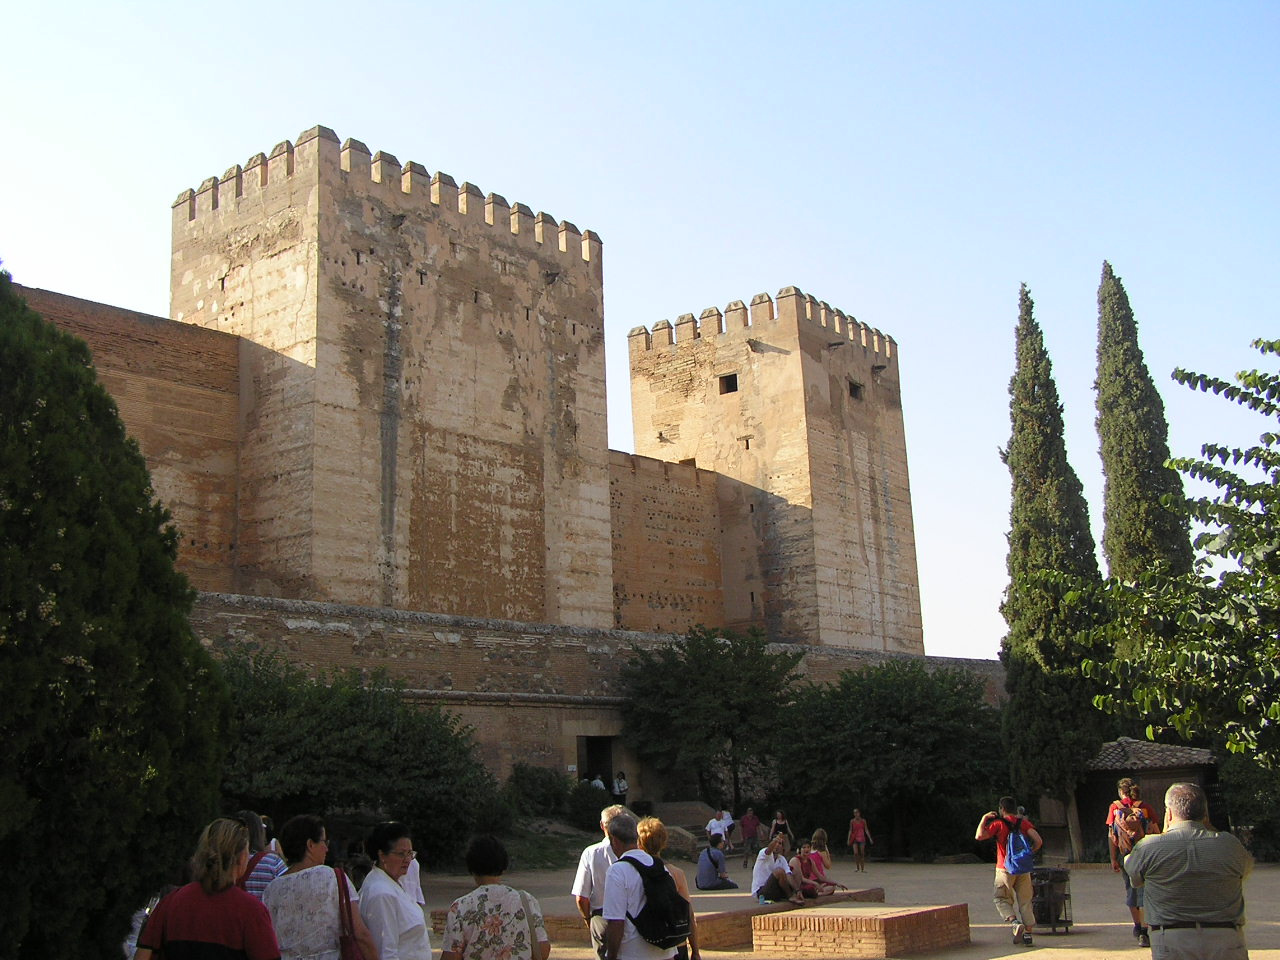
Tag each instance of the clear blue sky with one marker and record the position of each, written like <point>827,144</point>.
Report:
<point>910,163</point>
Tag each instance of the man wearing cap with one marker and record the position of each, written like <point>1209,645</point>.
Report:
<point>1193,876</point>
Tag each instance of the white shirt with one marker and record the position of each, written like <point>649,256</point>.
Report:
<point>720,825</point>
<point>624,894</point>
<point>304,911</point>
<point>411,882</point>
<point>766,863</point>
<point>593,867</point>
<point>397,923</point>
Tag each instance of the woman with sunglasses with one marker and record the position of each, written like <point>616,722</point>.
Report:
<point>398,924</point>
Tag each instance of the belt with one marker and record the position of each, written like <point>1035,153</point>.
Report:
<point>1188,924</point>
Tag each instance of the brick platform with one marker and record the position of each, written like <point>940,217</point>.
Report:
<point>855,930</point>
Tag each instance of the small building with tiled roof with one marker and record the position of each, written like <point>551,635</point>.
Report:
<point>1155,767</point>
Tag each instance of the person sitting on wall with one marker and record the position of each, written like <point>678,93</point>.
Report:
<point>713,870</point>
<point>771,877</point>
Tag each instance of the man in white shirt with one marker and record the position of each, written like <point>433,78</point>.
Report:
<point>771,878</point>
<point>588,882</point>
<point>721,824</point>
<point>624,894</point>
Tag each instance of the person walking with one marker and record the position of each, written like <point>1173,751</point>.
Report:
<point>1129,819</point>
<point>859,837</point>
<point>1012,885</point>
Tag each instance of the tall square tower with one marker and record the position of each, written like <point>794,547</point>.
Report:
<point>798,408</point>
<point>423,408</point>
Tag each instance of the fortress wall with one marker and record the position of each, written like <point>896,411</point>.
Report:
<point>456,406</point>
<point>725,391</point>
<point>666,545</point>
<point>177,390</point>
<point>529,689</point>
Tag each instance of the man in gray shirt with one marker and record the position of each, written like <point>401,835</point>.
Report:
<point>1194,881</point>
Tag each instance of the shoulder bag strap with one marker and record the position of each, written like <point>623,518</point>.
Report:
<point>344,904</point>
<point>528,916</point>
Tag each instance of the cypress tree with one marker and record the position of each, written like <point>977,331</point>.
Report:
<point>110,710</point>
<point>1138,528</point>
<point>1050,726</point>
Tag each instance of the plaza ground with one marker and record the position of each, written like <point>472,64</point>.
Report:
<point>1101,928</point>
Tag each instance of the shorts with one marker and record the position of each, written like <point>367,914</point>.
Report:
<point>1132,895</point>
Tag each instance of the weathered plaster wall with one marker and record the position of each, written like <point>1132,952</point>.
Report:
<point>177,390</point>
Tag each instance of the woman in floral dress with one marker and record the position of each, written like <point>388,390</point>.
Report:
<point>494,920</point>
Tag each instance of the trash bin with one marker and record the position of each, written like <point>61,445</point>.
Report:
<point>1051,898</point>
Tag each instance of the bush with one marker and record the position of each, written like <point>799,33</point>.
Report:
<point>344,743</point>
<point>537,791</point>
<point>582,810</point>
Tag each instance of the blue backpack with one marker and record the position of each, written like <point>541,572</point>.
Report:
<point>1018,855</point>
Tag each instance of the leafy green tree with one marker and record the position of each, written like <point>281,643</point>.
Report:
<point>1142,495</point>
<point>111,714</point>
<point>1049,725</point>
<point>917,750</point>
<point>340,743</point>
<point>1205,655</point>
<point>721,691</point>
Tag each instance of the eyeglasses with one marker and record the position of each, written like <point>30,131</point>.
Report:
<point>406,854</point>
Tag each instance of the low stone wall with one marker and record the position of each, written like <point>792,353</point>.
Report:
<point>858,931</point>
<point>528,690</point>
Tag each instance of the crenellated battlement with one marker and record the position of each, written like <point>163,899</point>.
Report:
<point>410,186</point>
<point>791,306</point>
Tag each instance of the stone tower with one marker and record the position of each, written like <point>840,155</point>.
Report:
<point>422,416</point>
<point>798,408</point>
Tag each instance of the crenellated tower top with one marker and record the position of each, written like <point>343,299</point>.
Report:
<point>411,186</point>
<point>791,306</point>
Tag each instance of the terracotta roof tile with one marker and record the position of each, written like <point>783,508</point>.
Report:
<point>1129,754</point>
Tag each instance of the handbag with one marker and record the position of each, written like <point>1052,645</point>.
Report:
<point>348,948</point>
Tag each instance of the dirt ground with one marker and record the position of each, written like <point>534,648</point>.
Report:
<point>1101,928</point>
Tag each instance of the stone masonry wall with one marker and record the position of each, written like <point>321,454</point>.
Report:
<point>666,545</point>
<point>177,390</point>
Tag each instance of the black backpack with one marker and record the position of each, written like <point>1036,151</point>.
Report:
<point>664,919</point>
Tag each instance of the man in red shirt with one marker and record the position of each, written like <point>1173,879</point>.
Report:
<point>1012,890</point>
<point>1129,819</point>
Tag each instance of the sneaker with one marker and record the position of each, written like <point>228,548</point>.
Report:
<point>1144,940</point>
<point>1019,931</point>
<point>1026,940</point>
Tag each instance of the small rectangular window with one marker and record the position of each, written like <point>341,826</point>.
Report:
<point>855,389</point>
<point>729,383</point>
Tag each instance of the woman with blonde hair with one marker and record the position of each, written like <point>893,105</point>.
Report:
<point>653,840</point>
<point>212,914</point>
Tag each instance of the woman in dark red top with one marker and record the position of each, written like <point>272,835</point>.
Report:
<point>212,919</point>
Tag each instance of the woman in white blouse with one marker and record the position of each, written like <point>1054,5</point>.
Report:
<point>398,924</point>
<point>304,899</point>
